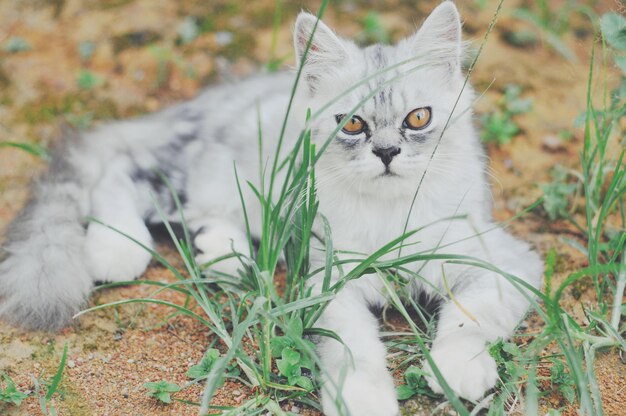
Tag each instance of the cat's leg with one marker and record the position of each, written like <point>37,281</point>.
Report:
<point>486,308</point>
<point>218,237</point>
<point>355,376</point>
<point>111,256</point>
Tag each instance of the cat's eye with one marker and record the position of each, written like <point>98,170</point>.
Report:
<point>355,125</point>
<point>417,119</point>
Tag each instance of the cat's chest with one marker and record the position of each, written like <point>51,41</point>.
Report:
<point>365,224</point>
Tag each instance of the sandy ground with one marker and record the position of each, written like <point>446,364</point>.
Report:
<point>139,67</point>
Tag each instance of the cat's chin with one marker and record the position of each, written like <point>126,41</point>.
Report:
<point>387,175</point>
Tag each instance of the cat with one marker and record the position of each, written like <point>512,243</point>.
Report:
<point>404,134</point>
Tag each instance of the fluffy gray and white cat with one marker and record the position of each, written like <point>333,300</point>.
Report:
<point>366,179</point>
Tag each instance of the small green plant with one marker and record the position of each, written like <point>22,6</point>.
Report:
<point>415,383</point>
<point>500,126</point>
<point>203,368</point>
<point>87,79</point>
<point>558,193</point>
<point>516,364</point>
<point>513,367</point>
<point>562,380</point>
<point>292,360</point>
<point>507,356</point>
<point>16,44</point>
<point>162,390</point>
<point>373,30</point>
<point>9,392</point>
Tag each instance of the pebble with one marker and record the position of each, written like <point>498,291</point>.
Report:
<point>295,409</point>
<point>71,363</point>
<point>236,393</point>
<point>223,38</point>
<point>553,143</point>
<point>130,361</point>
<point>138,75</point>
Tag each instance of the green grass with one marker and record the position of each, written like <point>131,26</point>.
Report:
<point>46,390</point>
<point>274,62</point>
<point>552,22</point>
<point>602,178</point>
<point>31,148</point>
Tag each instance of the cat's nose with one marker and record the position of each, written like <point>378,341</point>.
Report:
<point>386,154</point>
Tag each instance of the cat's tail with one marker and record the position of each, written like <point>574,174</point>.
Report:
<point>53,253</point>
<point>43,276</point>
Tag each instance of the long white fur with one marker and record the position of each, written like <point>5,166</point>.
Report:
<point>53,255</point>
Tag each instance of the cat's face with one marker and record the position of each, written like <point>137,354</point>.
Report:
<point>389,105</point>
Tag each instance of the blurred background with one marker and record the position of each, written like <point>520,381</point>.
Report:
<point>78,63</point>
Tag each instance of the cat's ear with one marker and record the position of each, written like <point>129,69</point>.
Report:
<point>439,38</point>
<point>326,50</point>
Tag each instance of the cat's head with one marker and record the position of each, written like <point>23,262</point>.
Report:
<point>392,104</point>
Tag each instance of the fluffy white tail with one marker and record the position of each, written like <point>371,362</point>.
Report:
<point>43,275</point>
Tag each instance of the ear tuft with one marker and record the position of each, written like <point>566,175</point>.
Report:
<point>439,38</point>
<point>444,23</point>
<point>326,50</point>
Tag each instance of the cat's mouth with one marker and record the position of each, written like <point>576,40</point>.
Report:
<point>387,173</point>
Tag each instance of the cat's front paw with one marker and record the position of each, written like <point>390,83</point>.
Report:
<point>466,365</point>
<point>212,245</point>
<point>362,394</point>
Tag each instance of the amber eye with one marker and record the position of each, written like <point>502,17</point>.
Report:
<point>355,125</point>
<point>417,119</point>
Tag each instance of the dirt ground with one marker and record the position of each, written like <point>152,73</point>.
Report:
<point>90,60</point>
